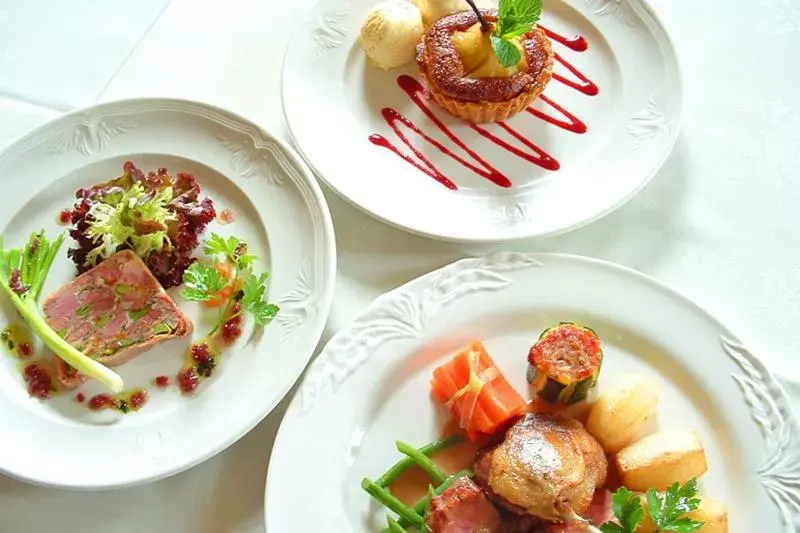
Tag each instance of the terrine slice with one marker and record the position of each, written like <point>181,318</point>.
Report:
<point>115,311</point>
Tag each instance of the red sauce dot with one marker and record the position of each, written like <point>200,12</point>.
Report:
<point>80,397</point>
<point>40,385</point>
<point>188,380</point>
<point>101,401</point>
<point>226,216</point>
<point>25,350</point>
<point>201,353</point>
<point>15,282</point>
<point>161,381</point>
<point>138,399</point>
<point>231,330</point>
<point>65,217</point>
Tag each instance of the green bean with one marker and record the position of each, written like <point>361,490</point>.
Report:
<point>423,461</point>
<point>423,503</point>
<point>405,513</point>
<point>394,527</point>
<point>431,496</point>
<point>404,464</point>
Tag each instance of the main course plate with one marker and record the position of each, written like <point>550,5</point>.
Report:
<point>370,386</point>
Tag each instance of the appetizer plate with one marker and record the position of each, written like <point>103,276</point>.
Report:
<point>278,208</point>
<point>370,385</point>
<point>619,78</point>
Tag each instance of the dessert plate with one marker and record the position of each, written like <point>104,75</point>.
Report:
<point>278,208</point>
<point>607,123</point>
<point>370,386</point>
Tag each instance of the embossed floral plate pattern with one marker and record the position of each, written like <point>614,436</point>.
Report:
<point>607,122</point>
<point>370,385</point>
<point>277,206</point>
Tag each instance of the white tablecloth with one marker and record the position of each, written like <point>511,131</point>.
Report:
<point>720,223</point>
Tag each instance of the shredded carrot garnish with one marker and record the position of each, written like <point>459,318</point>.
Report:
<point>224,295</point>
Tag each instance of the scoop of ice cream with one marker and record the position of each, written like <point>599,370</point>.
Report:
<point>390,33</point>
<point>433,10</point>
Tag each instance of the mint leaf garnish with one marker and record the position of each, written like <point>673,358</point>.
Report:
<point>515,18</point>
<point>506,52</point>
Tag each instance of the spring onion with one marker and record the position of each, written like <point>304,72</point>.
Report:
<point>22,275</point>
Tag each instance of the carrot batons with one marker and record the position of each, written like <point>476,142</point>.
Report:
<point>478,395</point>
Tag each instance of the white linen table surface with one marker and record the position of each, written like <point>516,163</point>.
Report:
<point>720,222</point>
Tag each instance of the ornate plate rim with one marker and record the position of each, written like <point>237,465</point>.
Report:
<point>770,407</point>
<point>607,7</point>
<point>293,167</point>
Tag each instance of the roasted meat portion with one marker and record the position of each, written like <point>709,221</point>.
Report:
<point>115,311</point>
<point>547,466</point>
<point>463,508</point>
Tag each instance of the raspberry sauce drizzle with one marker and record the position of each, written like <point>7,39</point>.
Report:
<point>528,151</point>
<point>418,95</point>
<point>577,43</point>
<point>572,123</point>
<point>584,84</point>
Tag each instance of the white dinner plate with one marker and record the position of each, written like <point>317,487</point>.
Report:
<point>277,206</point>
<point>370,385</point>
<point>336,104</point>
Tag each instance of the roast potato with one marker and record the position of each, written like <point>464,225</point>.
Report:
<point>712,513</point>
<point>618,416</point>
<point>661,459</point>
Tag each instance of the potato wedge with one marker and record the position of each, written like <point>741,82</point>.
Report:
<point>658,460</point>
<point>622,410</point>
<point>712,513</point>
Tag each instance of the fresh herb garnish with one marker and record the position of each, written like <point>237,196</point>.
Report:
<point>628,509</point>
<point>515,18</point>
<point>253,299</point>
<point>22,275</point>
<point>203,282</point>
<point>234,250</point>
<point>667,511</point>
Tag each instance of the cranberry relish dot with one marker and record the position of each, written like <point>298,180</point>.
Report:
<point>188,380</point>
<point>40,384</point>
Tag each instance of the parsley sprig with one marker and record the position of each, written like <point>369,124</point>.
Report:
<point>515,18</point>
<point>204,281</point>
<point>201,282</point>
<point>667,511</point>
